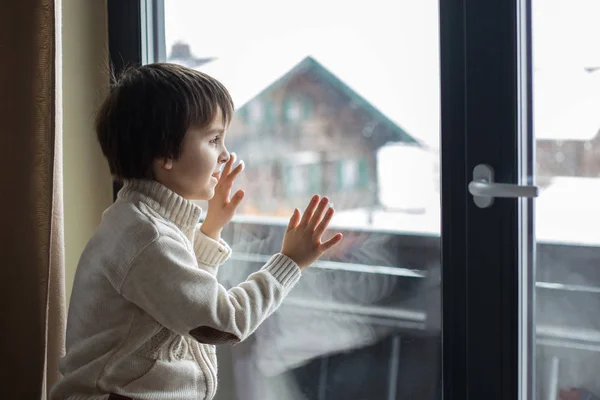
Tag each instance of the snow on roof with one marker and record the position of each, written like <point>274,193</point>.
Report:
<point>566,104</point>
<point>411,167</point>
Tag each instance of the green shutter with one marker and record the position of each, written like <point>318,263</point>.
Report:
<point>242,113</point>
<point>339,165</point>
<point>363,172</point>
<point>315,178</point>
<point>269,112</point>
<point>287,179</point>
<point>307,109</point>
<point>285,110</point>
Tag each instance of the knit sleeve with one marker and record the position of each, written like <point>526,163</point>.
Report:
<point>165,281</point>
<point>210,254</point>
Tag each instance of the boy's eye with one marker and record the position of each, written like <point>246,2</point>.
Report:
<point>216,140</point>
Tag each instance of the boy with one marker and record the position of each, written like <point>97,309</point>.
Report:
<point>146,310</point>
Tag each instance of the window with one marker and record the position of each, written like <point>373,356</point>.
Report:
<point>288,62</point>
<point>349,173</point>
<point>303,175</point>
<point>566,289</point>
<point>353,173</point>
<point>256,111</point>
<point>293,110</point>
<point>296,110</point>
<point>518,315</point>
<point>298,179</point>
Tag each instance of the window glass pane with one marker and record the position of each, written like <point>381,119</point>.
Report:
<point>566,48</point>
<point>341,99</point>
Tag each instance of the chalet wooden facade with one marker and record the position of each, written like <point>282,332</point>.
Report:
<point>309,132</point>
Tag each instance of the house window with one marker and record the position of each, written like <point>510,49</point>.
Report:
<point>298,180</point>
<point>349,173</point>
<point>259,111</point>
<point>293,111</point>
<point>296,109</point>
<point>353,173</point>
<point>256,111</point>
<point>303,179</point>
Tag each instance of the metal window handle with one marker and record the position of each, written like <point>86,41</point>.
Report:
<point>485,190</point>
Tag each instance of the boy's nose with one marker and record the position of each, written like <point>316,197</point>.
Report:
<point>224,158</point>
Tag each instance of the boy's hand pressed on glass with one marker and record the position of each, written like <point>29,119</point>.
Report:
<point>302,240</point>
<point>221,208</point>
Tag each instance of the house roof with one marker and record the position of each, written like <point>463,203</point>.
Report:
<point>566,101</point>
<point>247,80</point>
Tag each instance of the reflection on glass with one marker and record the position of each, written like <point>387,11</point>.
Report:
<point>341,100</point>
<point>566,45</point>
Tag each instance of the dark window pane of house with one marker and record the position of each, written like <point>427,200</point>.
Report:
<point>341,99</point>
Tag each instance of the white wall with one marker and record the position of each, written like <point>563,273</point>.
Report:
<point>87,181</point>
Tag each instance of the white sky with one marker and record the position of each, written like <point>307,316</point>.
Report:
<point>389,49</point>
<point>566,33</point>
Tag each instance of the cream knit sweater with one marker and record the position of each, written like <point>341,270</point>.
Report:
<point>146,309</point>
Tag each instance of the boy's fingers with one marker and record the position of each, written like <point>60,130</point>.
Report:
<point>310,209</point>
<point>225,182</point>
<point>294,219</point>
<point>318,215</point>
<point>222,191</point>
<point>322,227</point>
<point>237,199</point>
<point>227,169</point>
<point>236,171</point>
<point>331,242</point>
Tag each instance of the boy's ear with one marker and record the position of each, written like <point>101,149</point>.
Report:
<point>163,163</point>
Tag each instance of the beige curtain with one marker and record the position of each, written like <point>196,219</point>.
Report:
<point>31,236</point>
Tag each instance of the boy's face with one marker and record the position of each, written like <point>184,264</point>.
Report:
<point>203,152</point>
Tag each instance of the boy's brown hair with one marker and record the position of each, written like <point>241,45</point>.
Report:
<point>148,111</point>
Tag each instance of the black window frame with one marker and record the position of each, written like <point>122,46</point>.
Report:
<point>480,100</point>
<point>486,96</point>
<point>136,36</point>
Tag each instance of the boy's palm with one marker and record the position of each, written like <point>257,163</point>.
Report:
<point>302,240</point>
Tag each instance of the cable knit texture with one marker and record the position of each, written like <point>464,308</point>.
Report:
<point>146,309</point>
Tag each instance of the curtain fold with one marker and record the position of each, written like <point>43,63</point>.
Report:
<point>31,217</point>
<point>55,290</point>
